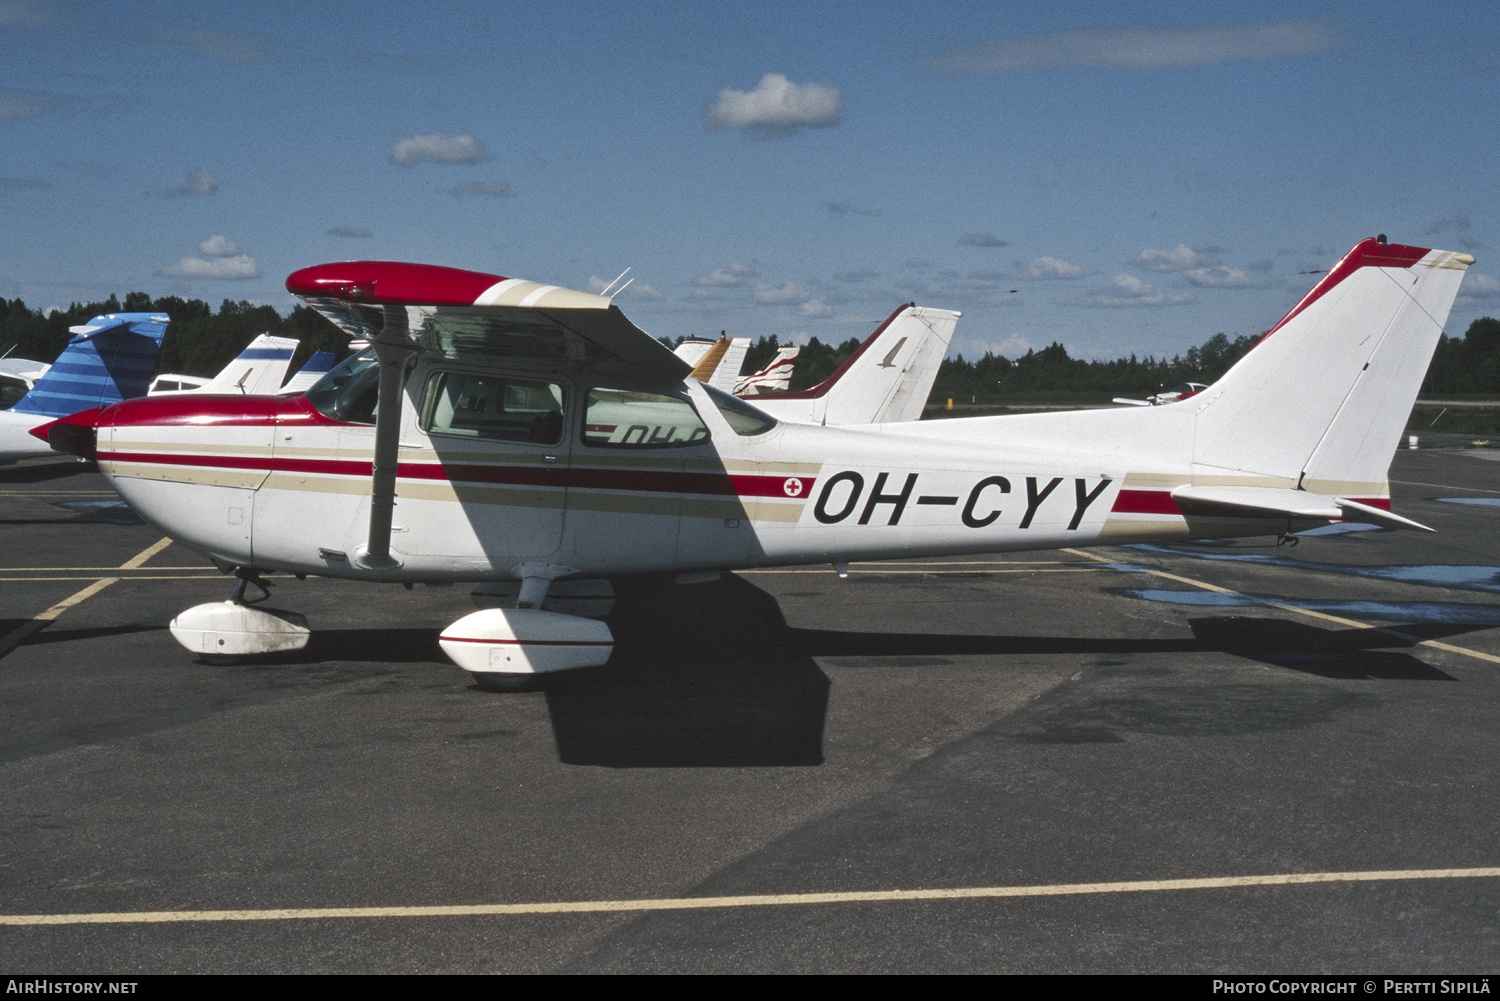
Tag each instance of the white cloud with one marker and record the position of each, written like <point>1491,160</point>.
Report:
<point>1046,269</point>
<point>23,184</point>
<point>198,182</point>
<point>220,46</point>
<point>352,232</point>
<point>218,246</point>
<point>981,240</point>
<point>221,259</point>
<point>1477,286</point>
<point>1218,276</point>
<point>481,189</point>
<point>1139,48</point>
<point>634,290</point>
<point>976,346</point>
<point>776,107</point>
<point>1181,258</point>
<point>437,146</point>
<point>842,209</point>
<point>815,309</point>
<point>227,268</point>
<point>33,14</point>
<point>1128,290</point>
<point>732,276</point>
<point>788,294</point>
<point>18,104</point>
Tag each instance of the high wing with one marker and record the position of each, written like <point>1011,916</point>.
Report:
<point>403,309</point>
<point>459,313</point>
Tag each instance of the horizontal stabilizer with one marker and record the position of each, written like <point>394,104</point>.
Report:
<point>1282,504</point>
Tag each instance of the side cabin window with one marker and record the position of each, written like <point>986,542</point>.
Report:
<point>620,418</point>
<point>466,405</point>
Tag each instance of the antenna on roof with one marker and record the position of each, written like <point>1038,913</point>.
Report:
<point>611,285</point>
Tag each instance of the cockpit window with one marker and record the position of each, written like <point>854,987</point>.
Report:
<point>350,390</point>
<point>621,418</point>
<point>746,420</point>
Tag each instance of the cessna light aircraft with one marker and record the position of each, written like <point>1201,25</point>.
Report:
<point>504,431</point>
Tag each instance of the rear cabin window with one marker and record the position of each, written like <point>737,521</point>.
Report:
<point>619,418</point>
<point>465,405</point>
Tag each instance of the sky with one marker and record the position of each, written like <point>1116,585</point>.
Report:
<point>1122,179</point>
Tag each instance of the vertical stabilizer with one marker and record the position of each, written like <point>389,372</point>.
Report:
<point>258,370</point>
<point>109,359</point>
<point>314,369</point>
<point>1321,400</point>
<point>885,381</point>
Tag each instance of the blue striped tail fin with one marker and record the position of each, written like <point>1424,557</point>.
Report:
<point>110,359</point>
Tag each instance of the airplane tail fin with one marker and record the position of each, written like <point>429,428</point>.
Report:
<point>728,372</point>
<point>314,369</point>
<point>257,370</point>
<point>886,380</point>
<point>775,377</point>
<point>109,359</point>
<point>1320,402</point>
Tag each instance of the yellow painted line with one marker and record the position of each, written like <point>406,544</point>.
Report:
<point>1444,486</point>
<point>148,575</point>
<point>96,570</point>
<point>747,900</point>
<point>20,634</point>
<point>58,493</point>
<point>870,572</point>
<point>141,557</point>
<point>1308,612</point>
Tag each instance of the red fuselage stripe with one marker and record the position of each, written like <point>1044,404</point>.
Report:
<point>1144,502</point>
<point>567,477</point>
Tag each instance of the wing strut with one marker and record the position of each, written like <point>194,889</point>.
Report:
<point>393,350</point>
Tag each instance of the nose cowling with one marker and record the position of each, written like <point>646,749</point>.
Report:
<point>77,434</point>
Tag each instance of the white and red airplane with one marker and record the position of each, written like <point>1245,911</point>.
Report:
<point>508,432</point>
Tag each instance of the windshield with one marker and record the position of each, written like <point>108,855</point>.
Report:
<point>349,391</point>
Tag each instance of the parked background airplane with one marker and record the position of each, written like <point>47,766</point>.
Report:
<point>256,371</point>
<point>776,377</point>
<point>504,431</point>
<point>885,381</point>
<point>715,362</point>
<point>17,376</point>
<point>316,366</point>
<point>110,358</point>
<point>1181,391</point>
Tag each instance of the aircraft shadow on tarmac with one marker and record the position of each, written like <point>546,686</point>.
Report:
<point>711,675</point>
<point>45,472</point>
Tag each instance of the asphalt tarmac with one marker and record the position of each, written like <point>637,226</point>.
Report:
<point>1195,759</point>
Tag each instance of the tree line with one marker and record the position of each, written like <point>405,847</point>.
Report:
<point>200,341</point>
<point>1462,365</point>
